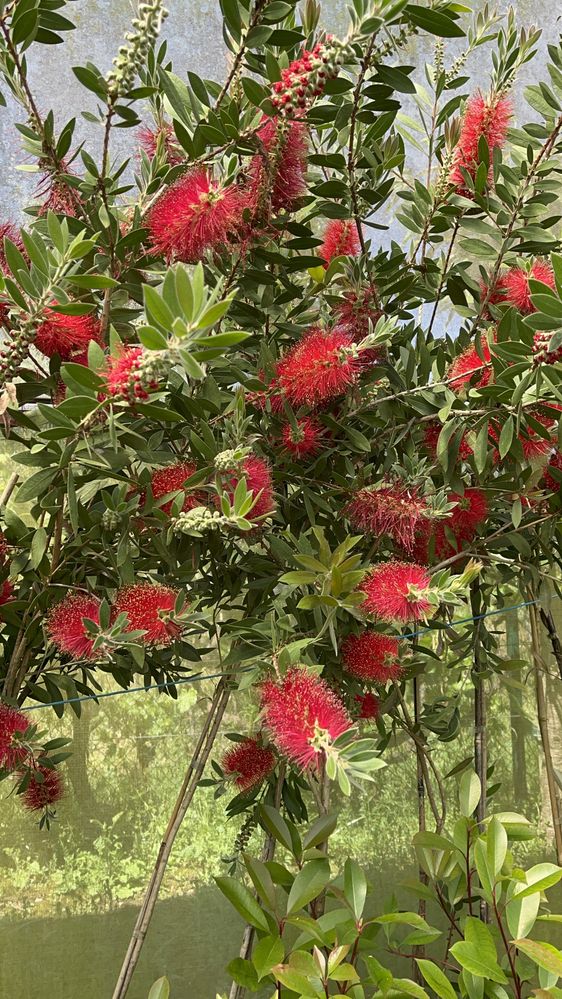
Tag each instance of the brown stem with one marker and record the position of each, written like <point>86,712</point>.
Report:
<point>425,759</point>
<point>480,735</point>
<point>542,714</point>
<point>268,852</point>
<point>508,949</point>
<point>418,701</point>
<point>185,797</point>
<point>550,627</point>
<point>9,488</point>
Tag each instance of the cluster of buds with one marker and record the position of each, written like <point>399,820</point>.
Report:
<point>110,520</point>
<point>132,56</point>
<point>306,77</point>
<point>16,352</point>
<point>230,460</point>
<point>198,521</point>
<point>541,350</point>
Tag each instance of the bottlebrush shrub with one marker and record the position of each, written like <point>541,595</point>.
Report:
<point>230,318</point>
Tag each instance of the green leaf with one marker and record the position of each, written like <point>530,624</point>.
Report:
<point>539,878</point>
<point>496,847</point>
<point>243,973</point>
<point>470,790</point>
<point>308,884</point>
<point>436,979</point>
<point>434,21</point>
<point>267,952</point>
<point>354,887</point>
<point>321,829</point>
<point>275,824</point>
<point>37,484</point>
<point>160,989</point>
<point>544,954</point>
<point>477,952</point>
<point>244,902</point>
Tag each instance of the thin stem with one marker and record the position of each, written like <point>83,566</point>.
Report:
<point>444,275</point>
<point>508,949</point>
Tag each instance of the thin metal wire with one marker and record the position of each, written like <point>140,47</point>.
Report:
<point>216,676</point>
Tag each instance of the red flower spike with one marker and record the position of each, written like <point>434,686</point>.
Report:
<point>466,517</point>
<point>171,479</point>
<point>469,368</point>
<point>6,592</point>
<point>125,378</point>
<point>148,607</point>
<point>486,118</point>
<point>306,440</point>
<point>397,592</point>
<point>352,317</point>
<point>516,285</point>
<point>535,447</point>
<point>341,239</point>
<point>257,473</point>
<point>248,763</point>
<point>280,168</point>
<point>320,367</point>
<point>65,625</point>
<point>66,336</point>
<point>371,657</point>
<point>369,706</point>
<point>12,722</point>
<point>431,436</point>
<point>302,714</point>
<point>195,215</point>
<point>555,463</point>
<point>151,138</point>
<point>391,508</point>
<point>44,793</point>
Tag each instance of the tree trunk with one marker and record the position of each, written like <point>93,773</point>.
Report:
<point>516,715</point>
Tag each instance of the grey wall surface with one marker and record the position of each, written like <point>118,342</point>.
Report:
<point>193,31</point>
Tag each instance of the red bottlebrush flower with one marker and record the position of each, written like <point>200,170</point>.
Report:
<point>66,335</point>
<point>534,445</point>
<point>390,508</point>
<point>321,366</point>
<point>466,517</point>
<point>45,788</point>
<point>59,196</point>
<point>469,368</point>
<point>516,285</point>
<point>149,607</point>
<point>65,625</point>
<point>355,312</point>
<point>257,473</point>
<point>372,657</point>
<point>302,714</point>
<point>6,592</point>
<point>369,706</point>
<point>554,464</point>
<point>12,722</point>
<point>195,215</point>
<point>171,479</point>
<point>484,117</point>
<point>249,763</point>
<point>431,437</point>
<point>162,137</point>
<point>128,377</point>
<point>277,173</point>
<point>306,440</point>
<point>541,352</point>
<point>9,231</point>
<point>341,239</point>
<point>397,591</point>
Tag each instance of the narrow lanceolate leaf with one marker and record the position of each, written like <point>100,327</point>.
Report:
<point>243,901</point>
<point>546,955</point>
<point>436,979</point>
<point>308,884</point>
<point>354,887</point>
